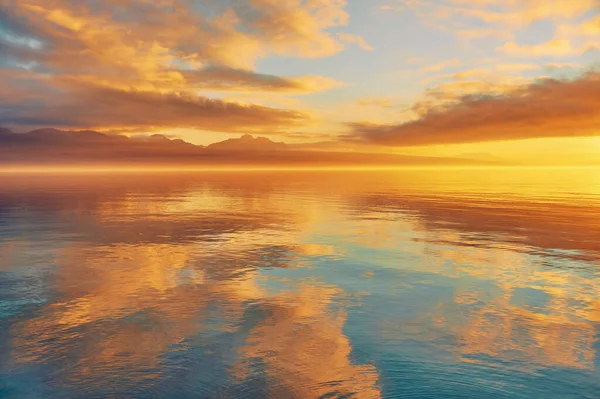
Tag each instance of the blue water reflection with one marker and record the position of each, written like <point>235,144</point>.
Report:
<point>414,284</point>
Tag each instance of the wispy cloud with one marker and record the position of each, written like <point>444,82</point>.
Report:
<point>453,63</point>
<point>243,80</point>
<point>386,103</point>
<point>355,39</point>
<point>553,47</point>
<point>477,19</point>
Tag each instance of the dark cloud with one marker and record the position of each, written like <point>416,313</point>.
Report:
<point>548,108</point>
<point>232,79</point>
<point>14,27</point>
<point>70,104</point>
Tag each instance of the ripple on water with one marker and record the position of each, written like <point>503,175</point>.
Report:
<point>307,287</point>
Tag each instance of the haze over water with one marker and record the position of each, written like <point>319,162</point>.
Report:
<point>403,284</point>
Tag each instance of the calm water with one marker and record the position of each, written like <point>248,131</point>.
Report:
<point>414,284</point>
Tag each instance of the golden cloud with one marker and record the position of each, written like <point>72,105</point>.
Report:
<point>137,57</point>
<point>241,80</point>
<point>442,65</point>
<point>546,108</point>
<point>379,102</point>
<point>553,47</point>
<point>501,18</point>
<point>235,35</point>
<point>591,26</point>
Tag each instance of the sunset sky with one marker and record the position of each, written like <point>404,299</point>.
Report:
<point>509,79</point>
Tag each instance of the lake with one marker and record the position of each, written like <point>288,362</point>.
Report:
<point>301,284</point>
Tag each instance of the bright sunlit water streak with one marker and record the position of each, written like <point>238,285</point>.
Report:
<point>300,284</point>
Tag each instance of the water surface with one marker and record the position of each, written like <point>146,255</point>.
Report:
<point>411,284</point>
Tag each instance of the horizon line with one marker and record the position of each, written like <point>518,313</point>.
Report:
<point>245,169</point>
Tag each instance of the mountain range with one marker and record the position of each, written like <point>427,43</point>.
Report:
<point>56,147</point>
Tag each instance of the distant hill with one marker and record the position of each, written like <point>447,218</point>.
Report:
<point>54,137</point>
<point>248,143</point>
<point>56,147</point>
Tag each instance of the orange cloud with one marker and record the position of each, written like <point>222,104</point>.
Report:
<point>497,73</point>
<point>548,108</point>
<point>235,35</point>
<point>518,13</point>
<point>136,59</point>
<point>555,47</point>
<point>379,102</point>
<point>241,80</point>
<point>442,65</point>
<point>454,86</point>
<point>68,103</point>
<point>591,26</point>
<point>501,18</point>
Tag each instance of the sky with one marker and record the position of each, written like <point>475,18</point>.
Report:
<point>509,79</point>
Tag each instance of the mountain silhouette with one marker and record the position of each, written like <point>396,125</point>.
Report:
<point>56,147</point>
<point>248,143</point>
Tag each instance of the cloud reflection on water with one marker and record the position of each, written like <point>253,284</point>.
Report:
<point>144,281</point>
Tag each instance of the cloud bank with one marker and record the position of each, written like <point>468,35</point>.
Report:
<point>138,63</point>
<point>547,108</point>
<point>73,104</point>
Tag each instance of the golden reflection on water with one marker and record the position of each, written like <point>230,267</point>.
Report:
<point>141,262</point>
<point>304,349</point>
